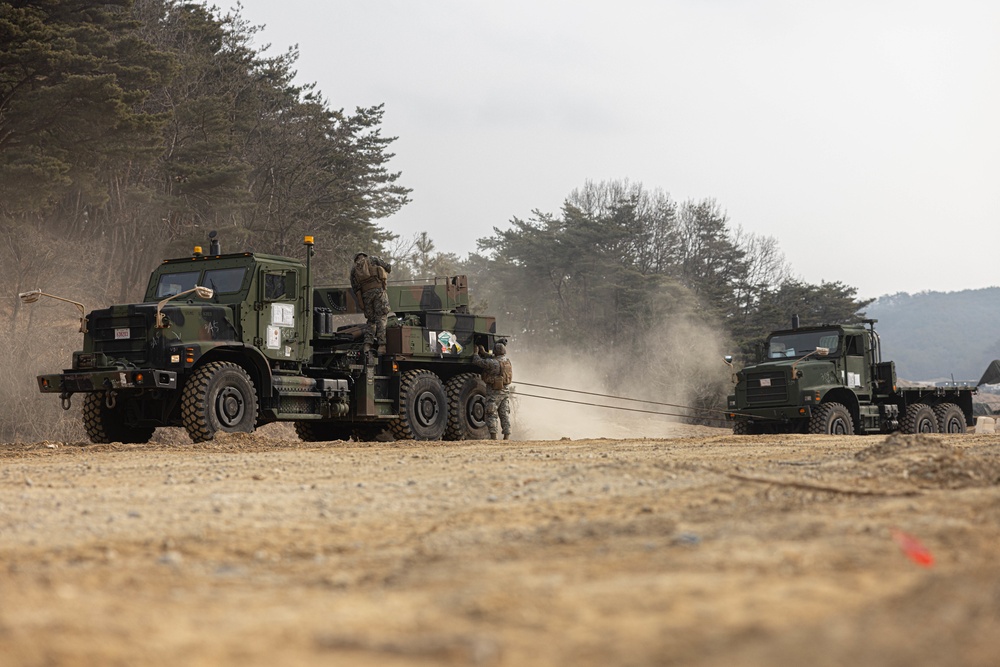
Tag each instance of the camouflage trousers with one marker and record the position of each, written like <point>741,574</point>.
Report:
<point>498,409</point>
<point>376,313</point>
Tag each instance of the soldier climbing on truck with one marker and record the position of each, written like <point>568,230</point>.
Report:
<point>229,342</point>
<point>369,278</point>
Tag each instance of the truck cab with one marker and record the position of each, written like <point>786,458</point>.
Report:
<point>832,379</point>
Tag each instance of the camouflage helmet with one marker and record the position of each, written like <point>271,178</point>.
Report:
<point>500,348</point>
<point>359,255</point>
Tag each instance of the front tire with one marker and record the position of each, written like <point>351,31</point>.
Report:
<point>831,419</point>
<point>950,418</point>
<point>466,408</point>
<point>423,407</point>
<point>104,424</point>
<point>219,396</point>
<point>919,418</point>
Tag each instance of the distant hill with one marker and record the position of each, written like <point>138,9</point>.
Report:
<point>939,335</point>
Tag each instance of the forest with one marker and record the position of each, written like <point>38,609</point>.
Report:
<point>129,129</point>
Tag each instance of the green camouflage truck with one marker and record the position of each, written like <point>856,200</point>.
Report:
<point>832,380</point>
<point>230,342</point>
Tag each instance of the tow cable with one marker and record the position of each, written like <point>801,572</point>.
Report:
<point>626,398</point>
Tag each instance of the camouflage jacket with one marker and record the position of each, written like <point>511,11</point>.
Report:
<point>497,372</point>
<point>369,273</point>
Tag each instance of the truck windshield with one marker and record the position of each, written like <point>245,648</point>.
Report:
<point>222,281</point>
<point>225,280</point>
<point>175,283</point>
<point>800,344</point>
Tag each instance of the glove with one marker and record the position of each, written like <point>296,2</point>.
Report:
<point>480,351</point>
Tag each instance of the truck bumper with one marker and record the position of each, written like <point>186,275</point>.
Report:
<point>71,382</point>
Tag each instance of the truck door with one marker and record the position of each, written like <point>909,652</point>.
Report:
<point>857,369</point>
<point>282,327</point>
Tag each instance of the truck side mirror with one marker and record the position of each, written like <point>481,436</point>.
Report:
<point>31,296</point>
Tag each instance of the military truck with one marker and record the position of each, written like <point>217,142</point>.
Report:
<point>230,342</point>
<point>831,379</point>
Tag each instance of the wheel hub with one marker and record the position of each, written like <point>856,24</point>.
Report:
<point>230,407</point>
<point>477,412</point>
<point>427,408</point>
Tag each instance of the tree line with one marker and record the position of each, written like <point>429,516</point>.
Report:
<point>127,128</point>
<point>620,258</point>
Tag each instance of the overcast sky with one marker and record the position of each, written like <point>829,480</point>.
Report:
<point>863,135</point>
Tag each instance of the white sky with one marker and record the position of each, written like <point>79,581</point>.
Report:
<point>863,134</point>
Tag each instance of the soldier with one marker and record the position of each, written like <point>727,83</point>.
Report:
<point>368,279</point>
<point>497,375</point>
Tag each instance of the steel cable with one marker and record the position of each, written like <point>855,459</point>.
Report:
<point>626,398</point>
<point>609,407</point>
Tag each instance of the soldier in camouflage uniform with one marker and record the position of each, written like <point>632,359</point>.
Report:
<point>497,375</point>
<point>368,280</point>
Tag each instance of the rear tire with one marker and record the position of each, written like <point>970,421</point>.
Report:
<point>831,419</point>
<point>919,418</point>
<point>466,408</point>
<point>104,424</point>
<point>950,418</point>
<point>423,407</point>
<point>219,396</point>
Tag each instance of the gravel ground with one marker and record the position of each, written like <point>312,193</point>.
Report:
<point>708,549</point>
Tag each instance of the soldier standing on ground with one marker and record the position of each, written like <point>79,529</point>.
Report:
<point>497,375</point>
<point>368,280</point>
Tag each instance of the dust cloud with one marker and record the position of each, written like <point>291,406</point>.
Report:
<point>680,364</point>
<point>41,337</point>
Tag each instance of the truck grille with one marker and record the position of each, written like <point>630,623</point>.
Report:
<point>767,387</point>
<point>103,328</point>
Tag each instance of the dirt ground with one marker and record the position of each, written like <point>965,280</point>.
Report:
<point>702,549</point>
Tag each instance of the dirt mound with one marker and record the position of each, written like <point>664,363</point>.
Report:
<point>929,462</point>
<point>900,444</point>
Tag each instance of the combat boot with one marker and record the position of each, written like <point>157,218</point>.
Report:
<point>493,435</point>
<point>506,436</point>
